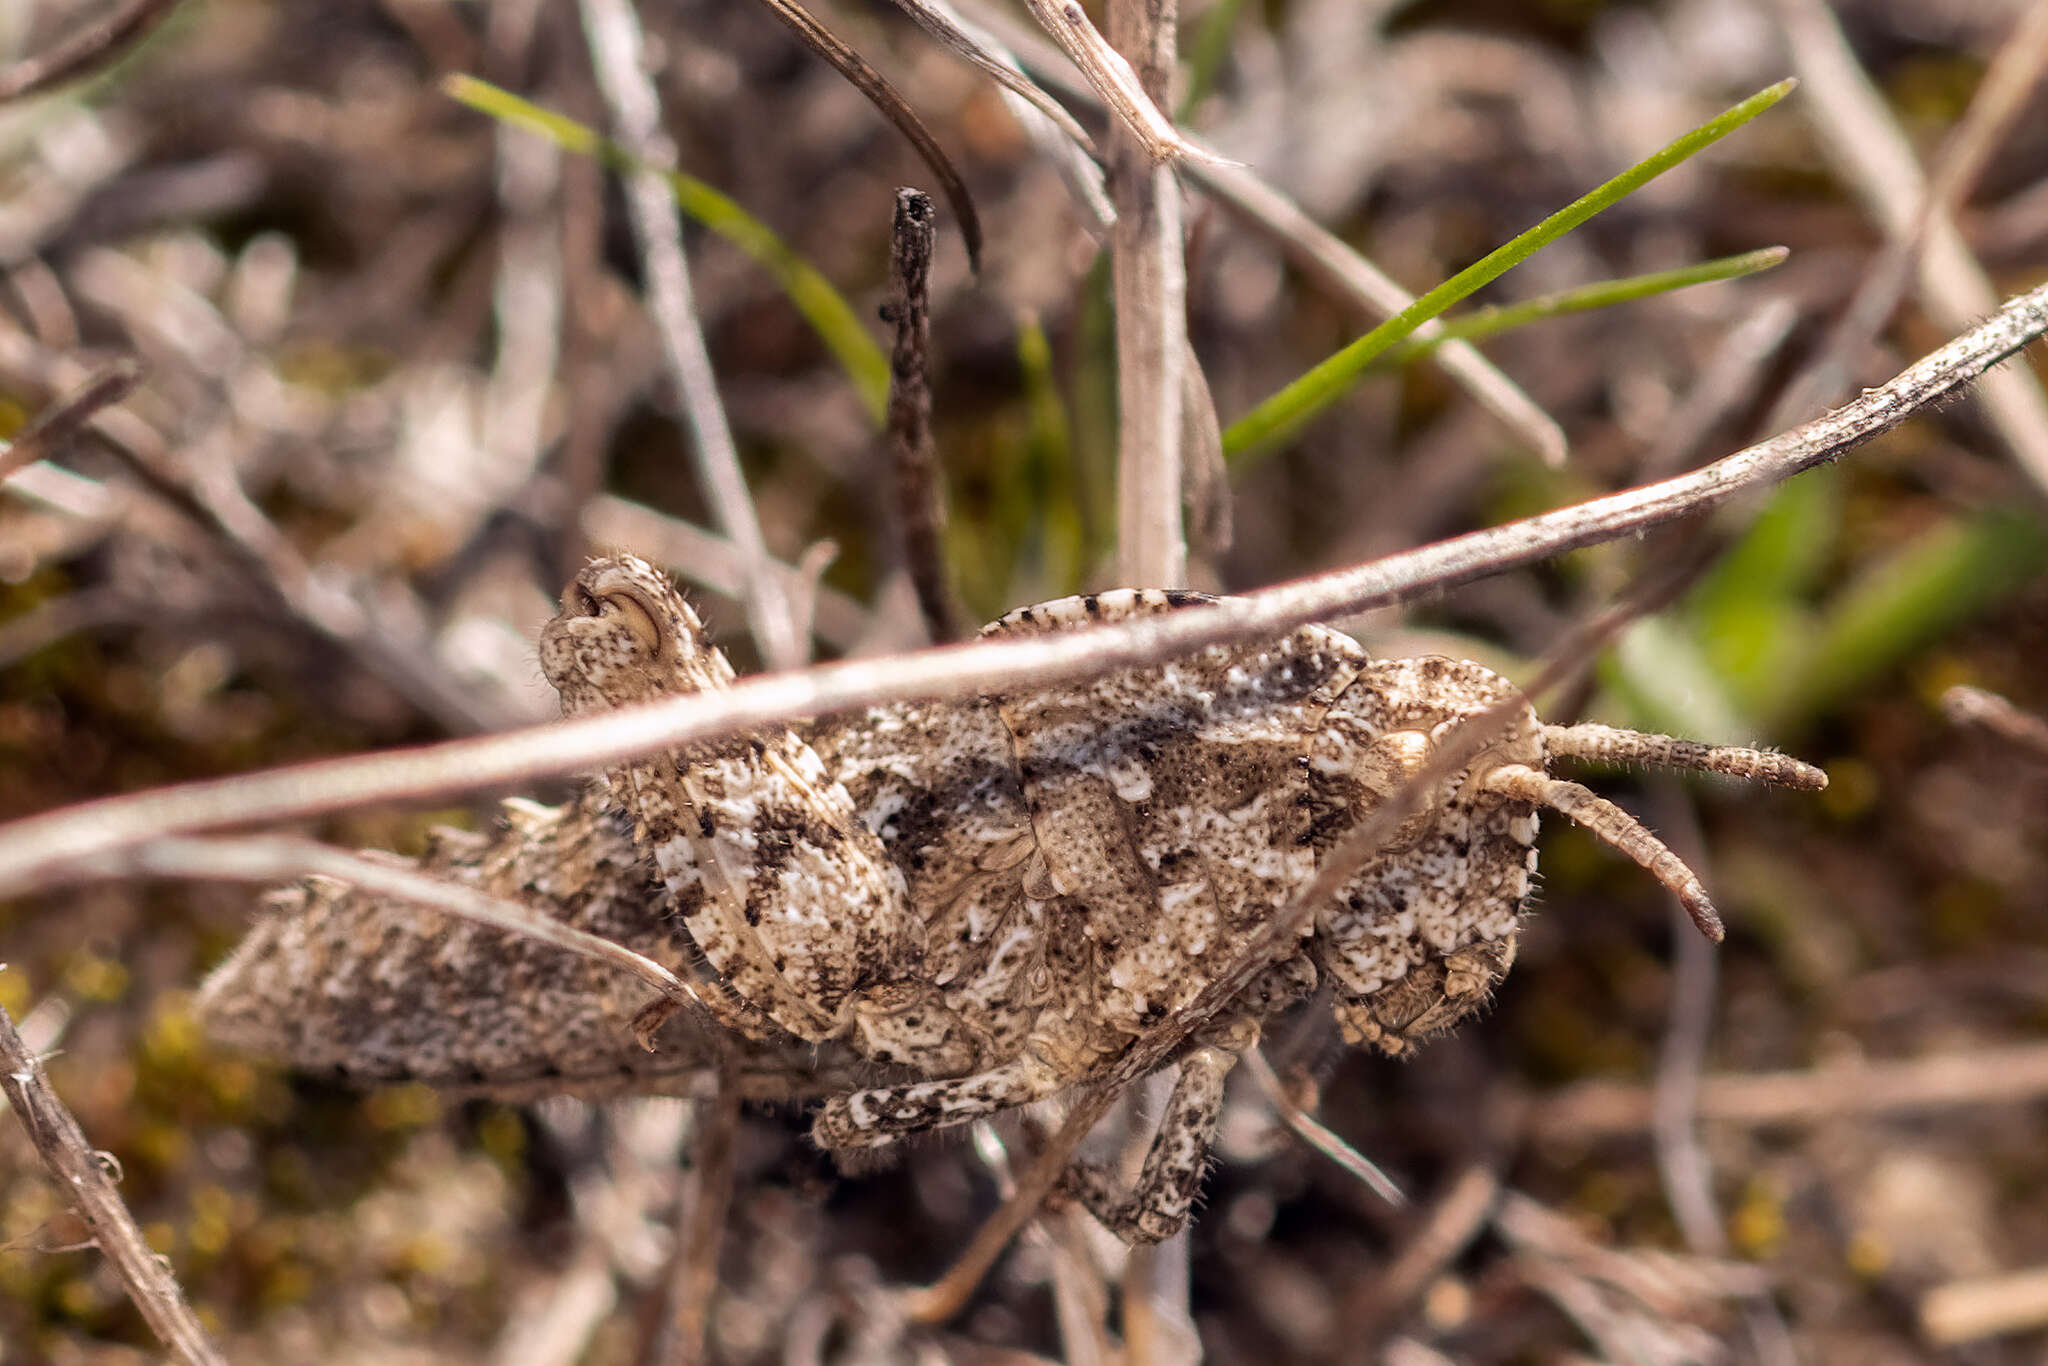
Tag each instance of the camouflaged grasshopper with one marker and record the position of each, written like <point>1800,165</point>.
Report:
<point>1000,895</point>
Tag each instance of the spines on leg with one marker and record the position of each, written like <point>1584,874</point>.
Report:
<point>1615,827</point>
<point>1597,744</point>
<point>1157,1207</point>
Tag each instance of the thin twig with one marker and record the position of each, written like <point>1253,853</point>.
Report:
<point>88,1186</point>
<point>1317,1135</point>
<point>2015,1074</point>
<point>893,107</point>
<point>1446,1229</point>
<point>1976,707</point>
<point>97,45</point>
<point>31,849</point>
<point>939,20</point>
<point>1150,285</point>
<point>1876,158</point>
<point>1118,86</point>
<point>1999,99</point>
<point>700,1225</point>
<point>913,459</point>
<point>50,429</point>
<point>616,50</point>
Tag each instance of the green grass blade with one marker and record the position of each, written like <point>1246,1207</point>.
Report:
<point>1482,323</point>
<point>1205,55</point>
<point>1285,412</point>
<point>822,306</point>
<point>1752,612</point>
<point>1945,575</point>
<point>1670,685</point>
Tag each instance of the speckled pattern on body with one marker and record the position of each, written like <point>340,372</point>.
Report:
<point>1035,880</point>
<point>370,991</point>
<point>995,897</point>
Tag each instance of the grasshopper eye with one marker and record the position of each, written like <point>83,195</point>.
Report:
<point>639,620</point>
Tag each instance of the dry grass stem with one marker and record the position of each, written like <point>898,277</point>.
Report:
<point>1682,1161</point>
<point>1976,707</point>
<point>1315,248</point>
<point>95,46</point>
<point>33,850</point>
<point>1118,85</point>
<point>895,108</point>
<point>943,23</point>
<point>1080,1289</point>
<point>618,57</point>
<point>1150,286</point>
<point>55,426</point>
<point>1057,137</point>
<point>1318,1135</point>
<point>555,1329</point>
<point>1873,153</point>
<point>2015,1074</point>
<point>1997,102</point>
<point>88,1185</point>
<point>913,458</point>
<point>1635,1307</point>
<point>700,1228</point>
<point>1157,1328</point>
<point>1689,1019</point>
<point>1987,1306</point>
<point>948,1295</point>
<point>1446,1229</point>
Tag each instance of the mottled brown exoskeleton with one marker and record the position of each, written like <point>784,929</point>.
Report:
<point>368,990</point>
<point>1003,894</point>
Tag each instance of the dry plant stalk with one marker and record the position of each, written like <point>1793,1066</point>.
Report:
<point>1120,86</point>
<point>883,96</point>
<point>96,46</point>
<point>617,55</point>
<point>1149,278</point>
<point>34,852</point>
<point>1989,711</point>
<point>57,424</point>
<point>913,458</point>
<point>88,1185</point>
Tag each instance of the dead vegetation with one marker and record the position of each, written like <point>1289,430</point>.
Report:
<point>404,365</point>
